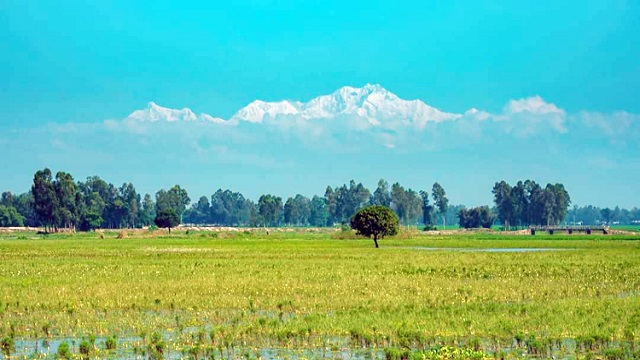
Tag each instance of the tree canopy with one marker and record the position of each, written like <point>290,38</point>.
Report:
<point>167,218</point>
<point>375,221</point>
<point>478,217</point>
<point>527,203</point>
<point>440,201</point>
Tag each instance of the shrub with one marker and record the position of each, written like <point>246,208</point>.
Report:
<point>156,347</point>
<point>111,343</point>
<point>85,349</point>
<point>7,346</point>
<point>63,351</point>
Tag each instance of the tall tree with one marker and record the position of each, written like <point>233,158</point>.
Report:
<point>270,208</point>
<point>440,200</point>
<point>44,197</point>
<point>358,197</point>
<point>331,202</point>
<point>503,198</point>
<point>536,201</point>
<point>382,195</point>
<point>297,210</point>
<point>427,209</point>
<point>318,214</point>
<point>343,202</point>
<point>406,203</point>
<point>65,211</point>
<point>561,204</point>
<point>399,202</point>
<point>199,212</point>
<point>520,204</point>
<point>413,207</point>
<point>148,212</point>
<point>131,201</point>
<point>175,198</point>
<point>7,199</point>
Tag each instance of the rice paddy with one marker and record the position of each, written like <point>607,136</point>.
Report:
<point>309,295</point>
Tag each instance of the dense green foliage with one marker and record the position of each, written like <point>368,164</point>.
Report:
<point>375,221</point>
<point>295,290</point>
<point>270,209</point>
<point>9,216</point>
<point>528,203</point>
<point>94,203</point>
<point>167,218</point>
<point>343,202</point>
<point>60,202</point>
<point>175,199</point>
<point>440,201</point>
<point>478,217</point>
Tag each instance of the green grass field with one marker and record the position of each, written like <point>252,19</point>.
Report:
<point>635,228</point>
<point>231,295</point>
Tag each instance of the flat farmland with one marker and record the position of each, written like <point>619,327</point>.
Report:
<point>310,295</point>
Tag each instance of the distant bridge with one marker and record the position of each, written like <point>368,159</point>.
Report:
<point>569,229</point>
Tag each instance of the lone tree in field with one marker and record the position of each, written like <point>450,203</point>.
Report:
<point>375,221</point>
<point>167,218</point>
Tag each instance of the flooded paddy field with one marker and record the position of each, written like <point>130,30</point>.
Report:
<point>302,296</point>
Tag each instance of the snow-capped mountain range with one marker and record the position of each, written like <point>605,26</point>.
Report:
<point>372,103</point>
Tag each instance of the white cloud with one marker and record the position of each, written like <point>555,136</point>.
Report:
<point>476,114</point>
<point>533,105</point>
<point>617,126</point>
<point>530,116</point>
<point>358,117</point>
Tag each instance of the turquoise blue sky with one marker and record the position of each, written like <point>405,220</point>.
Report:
<point>71,73</point>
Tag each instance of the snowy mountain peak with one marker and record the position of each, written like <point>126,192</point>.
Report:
<point>375,104</point>
<point>357,96</point>
<point>155,112</point>
<point>371,103</point>
<point>258,110</point>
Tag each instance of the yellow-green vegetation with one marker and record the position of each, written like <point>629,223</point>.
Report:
<point>215,293</point>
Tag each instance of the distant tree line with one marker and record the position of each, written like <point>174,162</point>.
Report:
<point>61,202</point>
<point>592,215</point>
<point>337,206</point>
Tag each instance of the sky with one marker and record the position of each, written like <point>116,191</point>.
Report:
<point>558,82</point>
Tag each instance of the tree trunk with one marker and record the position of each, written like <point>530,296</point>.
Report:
<point>169,230</point>
<point>375,240</point>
